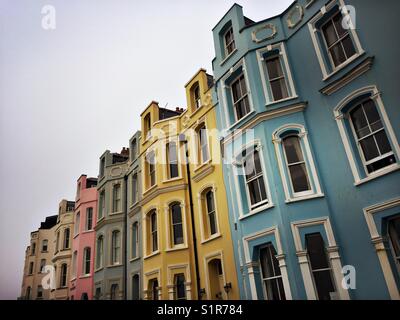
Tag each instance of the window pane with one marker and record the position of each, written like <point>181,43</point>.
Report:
<point>236,91</point>
<point>381,163</point>
<point>359,120</point>
<point>369,148</point>
<point>254,192</point>
<point>348,46</point>
<point>176,214</point>
<point>298,174</point>
<point>213,225</point>
<point>274,68</point>
<point>337,54</point>
<point>180,286</point>
<point>263,193</point>
<point>394,235</point>
<point>210,201</point>
<point>267,255</point>
<point>293,150</point>
<point>324,284</point>
<point>329,33</point>
<point>337,19</point>
<point>279,89</point>
<point>316,251</point>
<point>383,142</point>
<point>178,234</point>
<point>371,111</point>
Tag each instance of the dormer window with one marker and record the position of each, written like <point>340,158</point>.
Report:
<point>229,42</point>
<point>147,125</point>
<point>196,96</point>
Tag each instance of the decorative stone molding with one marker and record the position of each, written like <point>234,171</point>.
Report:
<point>269,27</point>
<point>295,16</point>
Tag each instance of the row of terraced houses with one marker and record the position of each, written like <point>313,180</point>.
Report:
<point>279,180</point>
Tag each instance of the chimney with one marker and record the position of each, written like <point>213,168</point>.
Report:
<point>125,151</point>
<point>177,109</point>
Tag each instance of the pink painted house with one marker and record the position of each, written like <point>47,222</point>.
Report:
<point>83,243</point>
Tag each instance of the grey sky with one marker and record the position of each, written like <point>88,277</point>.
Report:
<point>68,94</point>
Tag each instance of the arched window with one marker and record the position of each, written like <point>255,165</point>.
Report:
<point>394,237</point>
<point>28,293</point>
<point>135,190</point>
<point>74,263</point>
<point>89,219</point>
<point>66,238</point>
<point>211,214</point>
<point>202,138</point>
<point>45,244</point>
<point>86,261</point>
<point>153,289</point>
<point>33,249</point>
<point>172,160</point>
<point>115,247</point>
<point>114,291</point>
<point>368,137</point>
<point>63,275</point>
<point>135,240</point>
<point>196,96</point>
<point>135,287</point>
<point>42,265</point>
<point>176,224</point>
<point>100,252</point>
<point>154,231</point>
<point>117,198</point>
<point>84,296</point>
<point>296,164</point>
<point>77,223</point>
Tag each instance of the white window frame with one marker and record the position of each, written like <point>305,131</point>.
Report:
<point>332,255</point>
<point>246,95</point>
<point>269,100</point>
<point>169,226</point>
<point>77,223</point>
<point>85,250</point>
<point>227,54</point>
<point>318,46</point>
<point>174,269</point>
<point>135,240</point>
<point>204,214</point>
<point>135,187</point>
<point>290,195</point>
<point>114,199</point>
<point>87,219</point>
<point>224,97</point>
<point>280,256</point>
<point>361,175</point>
<point>99,253</point>
<point>117,261</point>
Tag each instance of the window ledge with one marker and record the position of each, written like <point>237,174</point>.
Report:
<point>87,231</point>
<point>176,248</point>
<point>73,279</point>
<point>241,120</point>
<point>382,172</point>
<point>228,56</point>
<point>115,265</point>
<point>307,197</point>
<point>341,66</point>
<point>172,179</point>
<point>85,276</point>
<point>133,205</point>
<point>149,190</point>
<point>101,219</point>
<point>115,213</point>
<point>134,259</point>
<point>99,269</point>
<point>256,210</point>
<point>202,165</point>
<point>269,104</point>
<point>213,237</point>
<point>152,254</point>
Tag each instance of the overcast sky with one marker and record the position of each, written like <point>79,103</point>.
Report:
<point>67,95</point>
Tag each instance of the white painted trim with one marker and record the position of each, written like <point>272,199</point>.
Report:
<point>282,264</point>
<point>333,255</point>
<point>203,213</point>
<point>377,240</point>
<point>207,258</point>
<point>168,225</point>
<point>170,279</point>
<point>340,120</point>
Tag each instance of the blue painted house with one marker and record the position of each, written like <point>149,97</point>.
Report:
<point>308,106</point>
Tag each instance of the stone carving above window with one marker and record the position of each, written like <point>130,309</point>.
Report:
<point>264,33</point>
<point>295,16</point>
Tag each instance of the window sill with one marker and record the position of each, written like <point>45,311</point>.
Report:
<point>149,189</point>
<point>177,248</point>
<point>341,66</point>
<point>85,276</point>
<point>152,254</point>
<point>115,213</point>
<point>382,172</point>
<point>134,259</point>
<point>256,210</point>
<point>115,265</point>
<point>202,165</point>
<point>213,237</point>
<point>133,205</point>
<point>101,219</point>
<point>241,120</point>
<point>228,57</point>
<point>308,197</point>
<point>172,179</point>
<point>73,279</point>
<point>272,103</point>
<point>87,231</point>
<point>99,269</point>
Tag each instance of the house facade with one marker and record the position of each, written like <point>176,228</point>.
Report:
<point>84,237</point>
<point>306,105</point>
<point>109,274</point>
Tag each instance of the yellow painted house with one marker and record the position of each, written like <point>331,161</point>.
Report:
<point>182,259</point>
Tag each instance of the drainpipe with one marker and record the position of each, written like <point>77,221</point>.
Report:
<point>182,138</point>
<point>125,210</point>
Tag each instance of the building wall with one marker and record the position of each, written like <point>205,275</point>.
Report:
<point>108,275</point>
<point>134,266</point>
<point>81,284</point>
<point>343,198</point>
<point>62,253</point>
